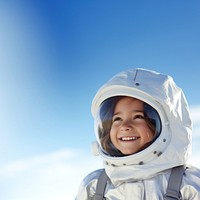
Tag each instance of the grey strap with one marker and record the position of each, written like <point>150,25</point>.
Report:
<point>173,188</point>
<point>101,186</point>
<point>174,183</point>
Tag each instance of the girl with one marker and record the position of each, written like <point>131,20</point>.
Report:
<point>143,129</point>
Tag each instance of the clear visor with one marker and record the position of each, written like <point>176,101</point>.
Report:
<point>104,124</point>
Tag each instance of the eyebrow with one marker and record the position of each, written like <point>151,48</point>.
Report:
<point>134,111</point>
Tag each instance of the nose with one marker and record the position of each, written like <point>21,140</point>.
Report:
<point>126,126</point>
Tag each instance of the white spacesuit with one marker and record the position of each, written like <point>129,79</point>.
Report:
<point>144,175</point>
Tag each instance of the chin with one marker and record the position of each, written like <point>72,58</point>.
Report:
<point>128,153</point>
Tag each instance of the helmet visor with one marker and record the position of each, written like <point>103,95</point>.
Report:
<point>104,124</point>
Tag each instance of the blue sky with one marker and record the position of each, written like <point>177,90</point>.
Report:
<point>53,58</point>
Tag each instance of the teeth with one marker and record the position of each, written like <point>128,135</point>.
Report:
<point>129,138</point>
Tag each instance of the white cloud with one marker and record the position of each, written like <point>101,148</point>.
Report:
<point>46,177</point>
<point>195,114</point>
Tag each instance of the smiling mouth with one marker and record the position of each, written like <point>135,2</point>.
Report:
<point>132,138</point>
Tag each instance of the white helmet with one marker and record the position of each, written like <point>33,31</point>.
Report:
<point>166,105</point>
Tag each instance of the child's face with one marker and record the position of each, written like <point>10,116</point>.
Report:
<point>129,131</point>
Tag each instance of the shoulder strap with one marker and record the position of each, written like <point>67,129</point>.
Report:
<point>101,186</point>
<point>173,188</point>
<point>174,184</point>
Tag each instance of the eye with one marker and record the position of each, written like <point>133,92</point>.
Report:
<point>116,119</point>
<point>139,116</point>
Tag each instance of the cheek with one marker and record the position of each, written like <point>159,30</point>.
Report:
<point>146,133</point>
<point>149,136</point>
<point>112,135</point>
